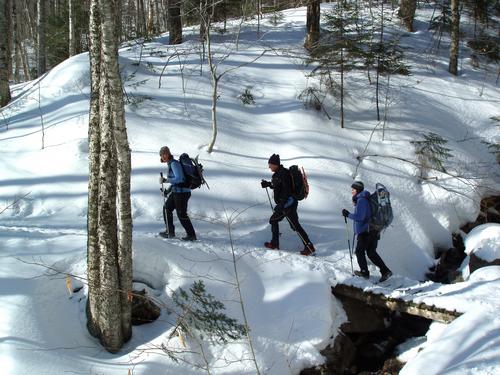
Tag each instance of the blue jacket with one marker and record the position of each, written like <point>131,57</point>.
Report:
<point>176,177</point>
<point>362,212</point>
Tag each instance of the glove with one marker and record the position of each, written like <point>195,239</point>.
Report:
<point>265,184</point>
<point>345,213</point>
<point>162,180</point>
<point>166,192</point>
<point>279,208</point>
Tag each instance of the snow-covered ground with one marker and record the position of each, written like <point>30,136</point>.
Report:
<point>291,312</point>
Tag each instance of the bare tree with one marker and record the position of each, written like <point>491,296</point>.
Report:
<point>174,22</point>
<point>109,244</point>
<point>41,48</point>
<point>407,13</point>
<point>4,54</point>
<point>312,24</point>
<point>455,37</point>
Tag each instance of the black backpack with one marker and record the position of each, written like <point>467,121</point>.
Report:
<point>300,186</point>
<point>380,204</point>
<point>193,172</point>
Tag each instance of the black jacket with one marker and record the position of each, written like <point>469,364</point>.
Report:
<point>281,185</point>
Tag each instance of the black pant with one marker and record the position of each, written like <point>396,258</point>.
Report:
<point>293,220</point>
<point>367,242</point>
<point>178,202</point>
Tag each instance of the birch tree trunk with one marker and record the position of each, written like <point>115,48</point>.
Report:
<point>41,49</point>
<point>4,55</point>
<point>312,24</point>
<point>455,37</point>
<point>407,13</point>
<point>110,50</point>
<point>109,243</point>
<point>71,28</point>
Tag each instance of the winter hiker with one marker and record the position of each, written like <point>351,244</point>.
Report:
<point>367,239</point>
<point>286,206</point>
<point>178,197</point>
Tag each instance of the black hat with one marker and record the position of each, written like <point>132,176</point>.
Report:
<point>358,186</point>
<point>274,159</point>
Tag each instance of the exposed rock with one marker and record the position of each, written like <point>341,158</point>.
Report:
<point>357,317</point>
<point>445,271</point>
<point>144,310</point>
<point>475,262</point>
<point>489,213</point>
<point>339,358</point>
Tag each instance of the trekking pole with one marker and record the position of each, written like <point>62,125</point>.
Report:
<point>269,197</point>
<point>349,243</point>
<point>162,188</point>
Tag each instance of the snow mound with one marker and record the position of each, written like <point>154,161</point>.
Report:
<point>484,242</point>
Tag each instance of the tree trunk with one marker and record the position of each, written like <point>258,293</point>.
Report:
<point>4,55</point>
<point>215,79</point>
<point>481,11</point>
<point>174,22</point>
<point>71,28</point>
<point>110,51</point>
<point>151,25</point>
<point>41,49</point>
<point>455,37</point>
<point>93,255</point>
<point>407,13</point>
<point>312,24</point>
<point>109,244</point>
<point>10,36</point>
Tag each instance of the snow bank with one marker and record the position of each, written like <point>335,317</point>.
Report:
<point>484,242</point>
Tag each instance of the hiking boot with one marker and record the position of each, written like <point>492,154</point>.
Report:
<point>363,274</point>
<point>308,250</point>
<point>166,234</point>
<point>191,237</point>
<point>385,276</point>
<point>271,246</point>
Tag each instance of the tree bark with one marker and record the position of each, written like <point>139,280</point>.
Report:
<point>455,37</point>
<point>10,35</point>
<point>407,13</point>
<point>41,48</point>
<point>174,22</point>
<point>110,50</point>
<point>312,24</point>
<point>109,243</point>
<point>4,55</point>
<point>71,28</point>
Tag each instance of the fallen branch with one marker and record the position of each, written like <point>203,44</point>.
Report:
<point>15,202</point>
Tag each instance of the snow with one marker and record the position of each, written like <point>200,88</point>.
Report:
<point>291,312</point>
<point>484,242</point>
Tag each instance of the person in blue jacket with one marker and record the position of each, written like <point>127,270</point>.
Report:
<point>367,239</point>
<point>178,197</point>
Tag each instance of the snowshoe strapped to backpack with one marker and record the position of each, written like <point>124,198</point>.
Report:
<point>300,186</point>
<point>380,204</point>
<point>193,172</point>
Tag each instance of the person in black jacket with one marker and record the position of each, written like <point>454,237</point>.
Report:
<point>286,206</point>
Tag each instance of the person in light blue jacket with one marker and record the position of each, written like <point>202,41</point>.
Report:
<point>177,197</point>
<point>367,239</point>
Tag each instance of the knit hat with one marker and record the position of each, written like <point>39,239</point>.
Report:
<point>358,186</point>
<point>274,159</point>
